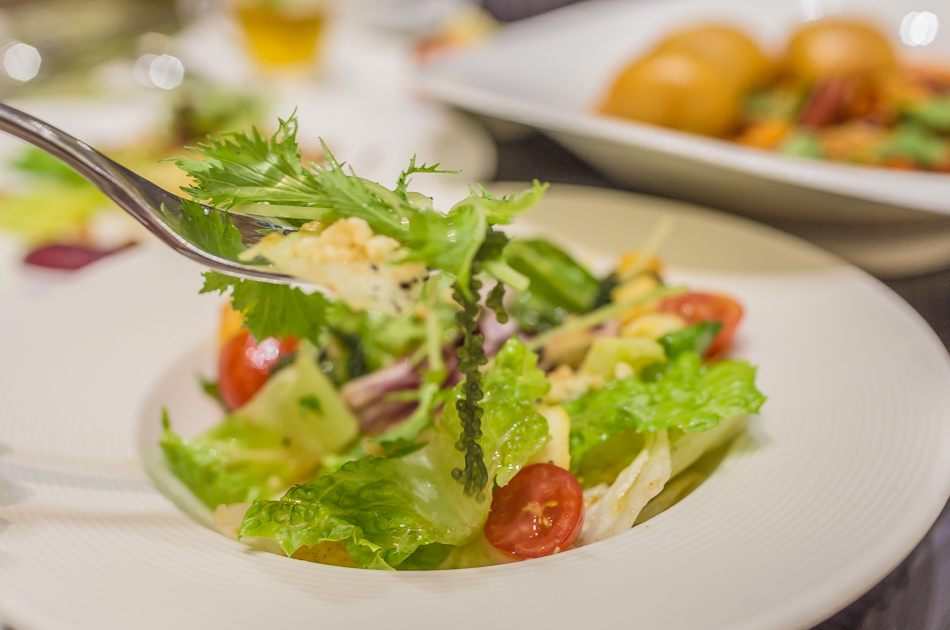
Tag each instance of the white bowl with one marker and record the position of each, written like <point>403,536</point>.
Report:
<point>837,480</point>
<point>549,72</point>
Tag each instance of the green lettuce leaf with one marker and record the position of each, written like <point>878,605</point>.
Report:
<point>696,339</point>
<point>503,210</point>
<point>635,485</point>
<point>363,342</point>
<point>688,395</point>
<point>427,558</point>
<point>451,242</point>
<point>606,352</point>
<point>277,439</point>
<point>386,509</point>
<point>273,310</point>
<point>211,231</point>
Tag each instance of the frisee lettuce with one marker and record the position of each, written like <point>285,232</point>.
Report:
<point>242,169</point>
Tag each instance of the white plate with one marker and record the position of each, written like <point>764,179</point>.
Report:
<point>550,71</point>
<point>845,470</point>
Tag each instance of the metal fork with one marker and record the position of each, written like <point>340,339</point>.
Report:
<point>141,198</point>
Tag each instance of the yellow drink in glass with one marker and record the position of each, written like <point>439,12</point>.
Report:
<point>283,35</point>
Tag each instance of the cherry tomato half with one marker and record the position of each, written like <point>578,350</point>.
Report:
<point>538,513</point>
<point>704,307</point>
<point>244,365</point>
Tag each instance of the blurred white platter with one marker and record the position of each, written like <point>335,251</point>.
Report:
<point>840,477</point>
<point>376,134</point>
<point>550,71</point>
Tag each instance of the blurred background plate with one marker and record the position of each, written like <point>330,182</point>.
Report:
<point>375,134</point>
<point>550,71</point>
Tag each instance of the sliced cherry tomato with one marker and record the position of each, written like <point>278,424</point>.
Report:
<point>704,307</point>
<point>538,513</point>
<point>244,365</point>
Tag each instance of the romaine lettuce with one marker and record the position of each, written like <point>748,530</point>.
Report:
<point>616,507</point>
<point>277,439</point>
<point>385,509</point>
<point>687,395</point>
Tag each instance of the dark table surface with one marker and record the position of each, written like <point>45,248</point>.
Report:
<point>916,595</point>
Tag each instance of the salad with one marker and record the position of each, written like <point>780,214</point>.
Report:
<point>838,92</point>
<point>451,396</point>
